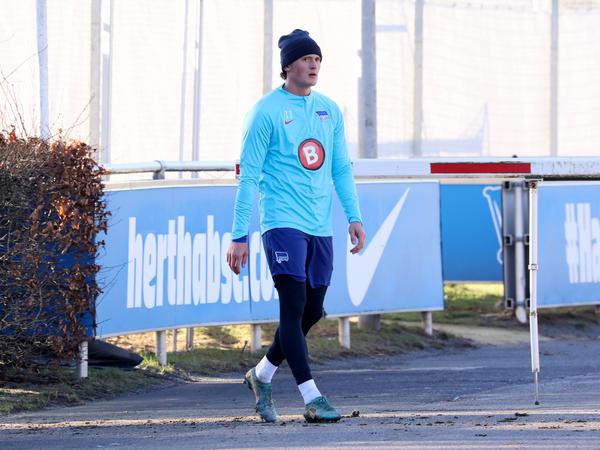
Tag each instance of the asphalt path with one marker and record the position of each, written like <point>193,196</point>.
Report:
<point>460,398</point>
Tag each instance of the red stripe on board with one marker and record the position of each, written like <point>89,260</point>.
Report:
<point>483,167</point>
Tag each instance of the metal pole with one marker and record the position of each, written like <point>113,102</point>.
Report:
<point>268,46</point>
<point>344,331</point>
<point>197,84</point>
<point>427,322</point>
<point>533,271</point>
<point>42,48</point>
<point>554,79</point>
<point>106,88</point>
<point>255,338</point>
<point>175,333</point>
<point>189,339</point>
<point>367,147</point>
<point>368,144</point>
<point>182,100</point>
<point>95,68</point>
<point>82,360</point>
<point>371,322</point>
<point>520,311</point>
<point>417,150</point>
<point>161,347</point>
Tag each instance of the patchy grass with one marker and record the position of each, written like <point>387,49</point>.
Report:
<point>581,322</point>
<point>481,304</point>
<point>392,338</point>
<point>222,337</point>
<point>467,304</point>
<point>322,342</point>
<point>33,390</point>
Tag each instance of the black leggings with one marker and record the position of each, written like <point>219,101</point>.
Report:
<point>300,307</point>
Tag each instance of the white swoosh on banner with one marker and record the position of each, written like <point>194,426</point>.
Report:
<point>361,268</point>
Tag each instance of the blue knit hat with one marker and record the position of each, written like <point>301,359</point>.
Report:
<point>296,45</point>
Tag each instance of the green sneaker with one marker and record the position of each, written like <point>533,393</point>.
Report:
<point>262,392</point>
<point>319,410</point>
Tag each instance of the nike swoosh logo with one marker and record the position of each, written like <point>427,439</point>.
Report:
<point>287,122</point>
<point>361,268</point>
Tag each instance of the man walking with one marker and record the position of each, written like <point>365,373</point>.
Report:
<point>293,149</point>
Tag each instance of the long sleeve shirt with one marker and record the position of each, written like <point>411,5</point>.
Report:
<point>294,150</point>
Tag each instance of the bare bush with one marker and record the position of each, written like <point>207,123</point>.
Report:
<point>51,210</point>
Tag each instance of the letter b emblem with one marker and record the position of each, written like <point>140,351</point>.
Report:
<point>311,154</point>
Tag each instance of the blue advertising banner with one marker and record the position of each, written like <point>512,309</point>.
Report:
<point>400,269</point>
<point>165,259</point>
<point>568,243</point>
<point>471,232</point>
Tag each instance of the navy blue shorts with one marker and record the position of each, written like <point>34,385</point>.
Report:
<point>293,252</point>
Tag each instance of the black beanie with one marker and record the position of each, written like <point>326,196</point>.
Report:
<point>296,45</point>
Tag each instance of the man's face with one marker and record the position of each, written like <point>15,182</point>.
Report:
<point>304,72</point>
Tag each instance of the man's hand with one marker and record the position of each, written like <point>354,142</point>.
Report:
<point>357,237</point>
<point>237,255</point>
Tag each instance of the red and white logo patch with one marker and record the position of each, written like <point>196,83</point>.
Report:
<point>311,154</point>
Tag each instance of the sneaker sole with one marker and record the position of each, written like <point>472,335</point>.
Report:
<point>317,420</point>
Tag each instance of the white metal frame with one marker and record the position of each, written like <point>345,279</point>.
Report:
<point>533,271</point>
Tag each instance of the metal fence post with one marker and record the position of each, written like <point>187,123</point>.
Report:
<point>189,339</point>
<point>367,127</point>
<point>175,332</point>
<point>427,322</point>
<point>515,205</point>
<point>554,77</point>
<point>82,360</point>
<point>533,275</point>
<point>42,53</point>
<point>417,150</point>
<point>160,173</point>
<point>370,322</point>
<point>267,46</point>
<point>161,347</point>
<point>520,255</point>
<point>344,331</point>
<point>255,338</point>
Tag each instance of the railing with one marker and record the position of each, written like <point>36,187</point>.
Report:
<point>159,168</point>
<point>502,168</point>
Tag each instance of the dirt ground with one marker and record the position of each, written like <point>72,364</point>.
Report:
<point>464,398</point>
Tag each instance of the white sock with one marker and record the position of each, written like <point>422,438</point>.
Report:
<point>309,391</point>
<point>265,370</point>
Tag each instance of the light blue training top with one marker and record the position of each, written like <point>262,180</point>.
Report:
<point>293,148</point>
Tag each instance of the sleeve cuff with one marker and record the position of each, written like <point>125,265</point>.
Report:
<point>243,239</point>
